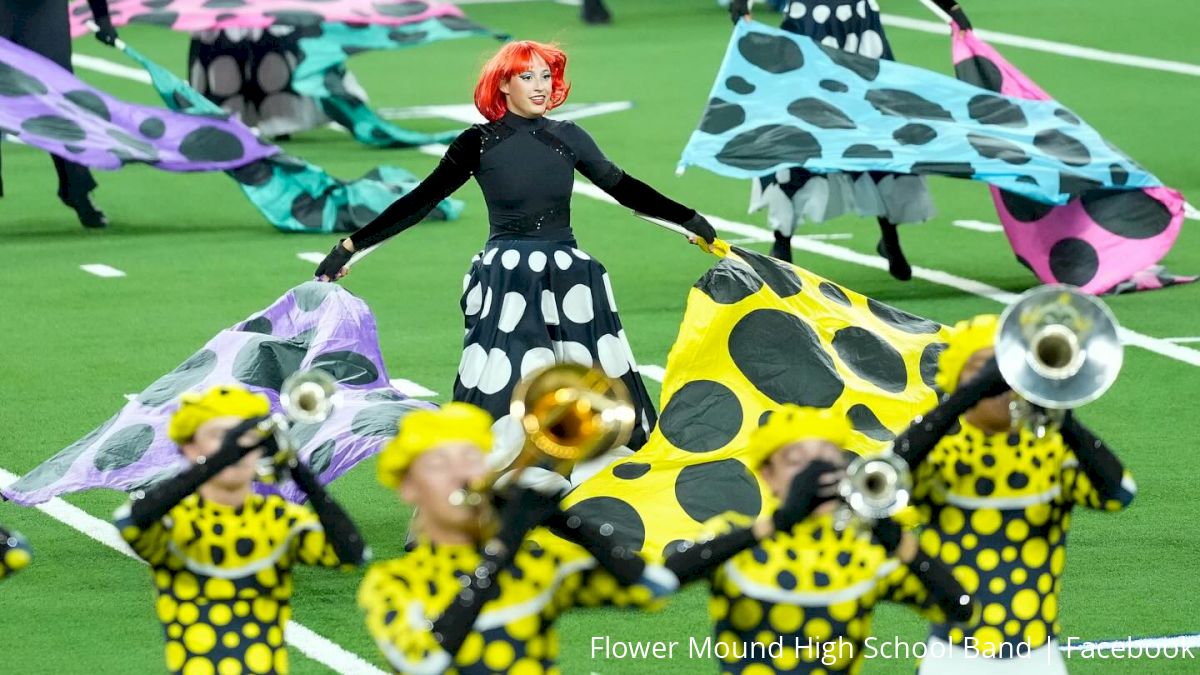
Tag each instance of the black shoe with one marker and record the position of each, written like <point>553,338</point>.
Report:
<point>89,216</point>
<point>782,248</point>
<point>897,264</point>
<point>595,13</point>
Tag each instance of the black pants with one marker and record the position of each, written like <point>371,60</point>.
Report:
<point>41,26</point>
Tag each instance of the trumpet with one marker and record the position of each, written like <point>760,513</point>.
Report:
<point>306,397</point>
<point>569,413</point>
<point>1058,349</point>
<point>874,488</point>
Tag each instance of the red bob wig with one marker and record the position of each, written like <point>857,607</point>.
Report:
<point>513,59</point>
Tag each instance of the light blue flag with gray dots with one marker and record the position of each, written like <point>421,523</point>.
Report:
<point>314,325</point>
<point>781,100</point>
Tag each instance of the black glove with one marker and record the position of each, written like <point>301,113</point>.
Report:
<point>888,534</point>
<point>988,381</point>
<point>699,226</point>
<point>809,489</point>
<point>955,11</point>
<point>333,263</point>
<point>738,9</point>
<point>106,33</point>
<point>520,510</point>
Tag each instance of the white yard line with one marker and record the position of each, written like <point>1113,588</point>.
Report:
<point>1182,340</point>
<point>1190,212</point>
<point>312,645</point>
<point>313,257</point>
<point>109,68</point>
<point>978,226</point>
<point>656,373</point>
<point>102,270</point>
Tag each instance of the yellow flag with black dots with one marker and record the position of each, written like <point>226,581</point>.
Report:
<point>758,333</point>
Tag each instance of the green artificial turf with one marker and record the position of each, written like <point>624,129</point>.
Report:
<point>199,258</point>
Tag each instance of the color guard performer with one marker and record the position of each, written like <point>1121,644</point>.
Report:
<point>221,555</point>
<point>998,500</point>
<point>797,579</point>
<point>14,553</point>
<point>457,603</point>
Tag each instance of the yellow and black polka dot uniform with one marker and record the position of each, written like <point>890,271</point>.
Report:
<point>999,508</point>
<point>14,553</point>
<point>814,582</point>
<point>514,632</point>
<point>223,577</point>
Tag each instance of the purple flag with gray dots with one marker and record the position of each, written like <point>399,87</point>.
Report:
<point>45,106</point>
<point>313,325</point>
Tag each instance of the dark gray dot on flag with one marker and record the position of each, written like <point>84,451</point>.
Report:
<point>1067,116</point>
<point>386,395</point>
<point>865,67</point>
<point>185,376</point>
<point>712,488</point>
<point>997,148</point>
<point>51,471</point>
<point>1132,214</point>
<point>864,421</point>
<point>866,151</point>
<point>74,149</point>
<point>871,358</point>
<point>728,282</point>
<point>224,4</point>
<point>458,23</point>
<point>628,529</point>
<point>1027,179</point>
<point>125,447</point>
<point>379,420</point>
<point>762,419</point>
<point>701,417</point>
<point>1073,261</point>
<point>265,361</point>
<point>901,320</point>
<point>779,276</point>
<point>929,362</point>
<point>90,102</point>
<point>952,169</point>
<point>210,144</point>
<point>400,8</point>
<point>1119,174</point>
<point>1070,183</point>
<point>764,147</point>
<point>980,72</point>
<point>310,295</point>
<point>403,37</point>
<point>347,367</point>
<point>54,127</point>
<point>739,85</point>
<point>156,4</point>
<point>631,470</point>
<point>144,149</point>
<point>319,459</point>
<point>834,293</point>
<point>783,358</point>
<point>721,116</point>
<point>295,17</point>
<point>1062,147</point>
<point>904,103</point>
<point>819,114</point>
<point>996,110</point>
<point>14,82</point>
<point>914,133</point>
<point>1023,208</point>
<point>164,19</point>
<point>362,214</point>
<point>772,53</point>
<point>834,86</point>
<point>254,174</point>
<point>152,127</point>
<point>309,212</point>
<point>302,434</point>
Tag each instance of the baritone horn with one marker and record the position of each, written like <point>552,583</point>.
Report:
<point>875,487</point>
<point>305,397</point>
<point>569,413</point>
<point>1058,348</point>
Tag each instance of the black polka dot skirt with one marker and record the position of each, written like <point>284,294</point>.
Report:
<point>248,72</point>
<point>530,304</point>
<point>848,25</point>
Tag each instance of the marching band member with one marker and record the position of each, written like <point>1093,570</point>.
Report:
<point>14,553</point>
<point>457,603</point>
<point>999,501</point>
<point>221,555</point>
<point>797,579</point>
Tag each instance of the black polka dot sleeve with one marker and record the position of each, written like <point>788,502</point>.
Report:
<point>1096,479</point>
<point>339,538</point>
<point>916,442</point>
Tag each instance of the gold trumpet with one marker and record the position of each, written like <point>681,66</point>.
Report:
<point>570,413</point>
<point>306,397</point>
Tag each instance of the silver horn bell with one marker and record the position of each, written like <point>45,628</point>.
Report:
<point>1058,347</point>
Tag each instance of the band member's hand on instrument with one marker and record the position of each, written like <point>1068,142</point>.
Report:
<point>813,486</point>
<point>739,9</point>
<point>333,267</point>
<point>916,442</point>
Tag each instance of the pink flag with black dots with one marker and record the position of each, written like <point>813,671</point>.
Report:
<point>1104,241</point>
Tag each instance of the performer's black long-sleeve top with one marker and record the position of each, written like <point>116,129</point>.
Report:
<point>526,169</point>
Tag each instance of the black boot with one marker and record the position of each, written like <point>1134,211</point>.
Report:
<point>89,216</point>
<point>595,13</point>
<point>782,248</point>
<point>889,247</point>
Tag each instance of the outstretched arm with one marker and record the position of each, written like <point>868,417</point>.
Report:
<point>919,439</point>
<point>340,533</point>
